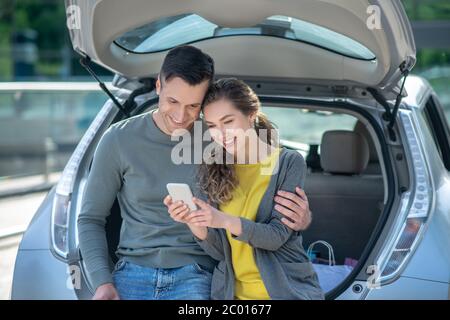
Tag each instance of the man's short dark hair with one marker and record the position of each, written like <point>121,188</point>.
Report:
<point>188,63</point>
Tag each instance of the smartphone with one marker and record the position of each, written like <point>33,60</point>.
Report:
<point>181,192</point>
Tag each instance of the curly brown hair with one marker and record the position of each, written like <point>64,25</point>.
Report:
<point>218,179</point>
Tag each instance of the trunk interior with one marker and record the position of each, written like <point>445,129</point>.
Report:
<point>345,206</point>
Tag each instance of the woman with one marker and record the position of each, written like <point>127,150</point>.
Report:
<point>259,257</point>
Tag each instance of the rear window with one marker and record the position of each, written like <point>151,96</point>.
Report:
<point>170,32</point>
<point>307,126</point>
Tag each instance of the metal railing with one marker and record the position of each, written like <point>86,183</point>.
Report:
<point>40,126</point>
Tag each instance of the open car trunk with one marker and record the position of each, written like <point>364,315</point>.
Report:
<point>347,206</point>
<point>329,46</point>
<point>364,43</point>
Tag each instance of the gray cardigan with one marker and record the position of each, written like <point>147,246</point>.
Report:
<point>283,264</point>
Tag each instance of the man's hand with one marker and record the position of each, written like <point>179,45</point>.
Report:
<point>106,291</point>
<point>295,208</point>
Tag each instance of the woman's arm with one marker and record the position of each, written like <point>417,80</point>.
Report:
<point>269,236</point>
<point>212,244</point>
<point>272,235</point>
<point>208,216</point>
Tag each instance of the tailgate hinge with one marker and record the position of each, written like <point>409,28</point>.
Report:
<point>84,61</point>
<point>390,115</point>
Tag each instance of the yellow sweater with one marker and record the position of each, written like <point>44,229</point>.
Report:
<point>253,182</point>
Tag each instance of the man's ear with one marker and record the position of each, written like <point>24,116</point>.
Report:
<point>158,85</point>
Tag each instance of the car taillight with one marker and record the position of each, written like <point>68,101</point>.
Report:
<point>402,248</point>
<point>64,188</point>
<point>415,204</point>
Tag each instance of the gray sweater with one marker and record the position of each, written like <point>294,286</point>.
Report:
<point>133,163</point>
<point>283,264</point>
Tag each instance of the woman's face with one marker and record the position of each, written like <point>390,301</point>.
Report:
<point>228,125</point>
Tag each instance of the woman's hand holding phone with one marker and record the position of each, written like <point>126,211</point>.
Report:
<point>207,215</point>
<point>178,210</point>
<point>181,212</point>
<point>198,220</point>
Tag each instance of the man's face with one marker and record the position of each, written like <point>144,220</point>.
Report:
<point>179,103</point>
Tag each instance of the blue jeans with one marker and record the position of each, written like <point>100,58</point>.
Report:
<point>134,282</point>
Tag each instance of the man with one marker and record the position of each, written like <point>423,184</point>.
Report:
<point>158,258</point>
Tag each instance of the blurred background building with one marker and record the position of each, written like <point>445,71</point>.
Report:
<point>41,121</point>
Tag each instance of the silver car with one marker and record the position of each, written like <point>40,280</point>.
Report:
<point>331,75</point>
